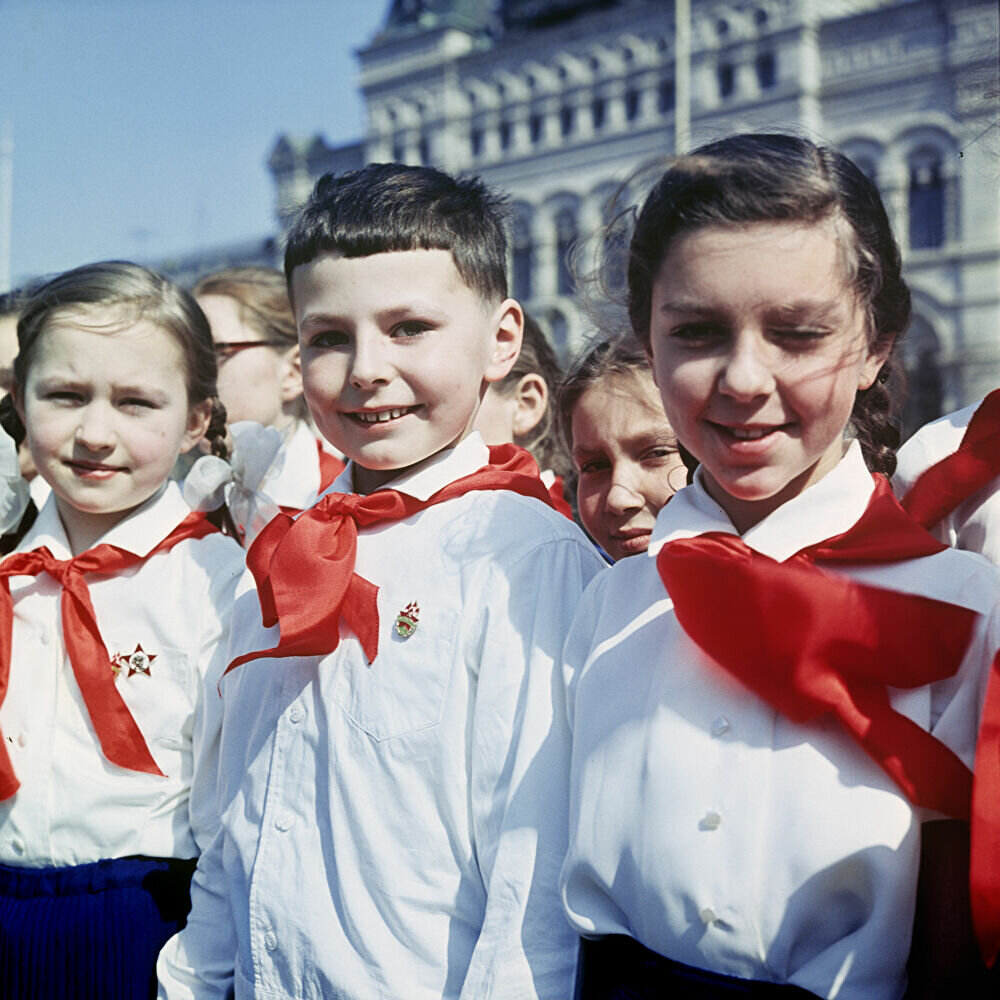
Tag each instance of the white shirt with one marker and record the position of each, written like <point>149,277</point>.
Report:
<point>395,830</point>
<point>74,806</point>
<point>294,478</point>
<point>711,828</point>
<point>975,523</point>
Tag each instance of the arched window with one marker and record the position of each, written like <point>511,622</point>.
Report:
<point>926,200</point>
<point>921,358</point>
<point>566,234</point>
<point>524,252</point>
<point>766,70</point>
<point>727,80</point>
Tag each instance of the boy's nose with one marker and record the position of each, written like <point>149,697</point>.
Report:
<point>369,366</point>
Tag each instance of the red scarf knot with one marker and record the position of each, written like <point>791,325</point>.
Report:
<point>121,740</point>
<point>315,553</point>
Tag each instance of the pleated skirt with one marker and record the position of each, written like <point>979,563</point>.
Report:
<point>89,932</point>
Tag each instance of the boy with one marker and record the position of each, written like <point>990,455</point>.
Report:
<point>395,795</point>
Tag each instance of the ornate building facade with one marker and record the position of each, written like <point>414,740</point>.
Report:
<point>559,102</point>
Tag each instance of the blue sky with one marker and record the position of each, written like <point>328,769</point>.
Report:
<point>141,128</point>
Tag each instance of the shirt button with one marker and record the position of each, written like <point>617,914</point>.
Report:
<point>297,714</point>
<point>43,638</point>
<point>284,821</point>
<point>711,820</point>
<point>270,940</point>
<point>720,726</point>
<point>18,845</point>
<point>22,739</point>
<point>707,915</point>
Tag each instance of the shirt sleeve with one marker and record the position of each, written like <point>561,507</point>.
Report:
<point>197,963</point>
<point>520,750</point>
<point>225,572</point>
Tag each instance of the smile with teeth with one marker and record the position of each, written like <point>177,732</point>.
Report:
<point>381,416</point>
<point>749,433</point>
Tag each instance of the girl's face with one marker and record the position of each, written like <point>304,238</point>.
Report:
<point>107,414</point>
<point>626,457</point>
<point>759,345</point>
<point>255,383</point>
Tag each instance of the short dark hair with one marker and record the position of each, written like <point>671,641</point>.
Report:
<point>387,207</point>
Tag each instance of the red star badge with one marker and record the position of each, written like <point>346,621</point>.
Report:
<point>137,662</point>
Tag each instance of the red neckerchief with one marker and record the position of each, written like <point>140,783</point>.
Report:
<point>329,467</point>
<point>811,641</point>
<point>120,738</point>
<point>943,486</point>
<point>557,494</point>
<point>315,553</point>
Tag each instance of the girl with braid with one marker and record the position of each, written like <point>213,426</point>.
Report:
<point>775,708</point>
<point>114,609</point>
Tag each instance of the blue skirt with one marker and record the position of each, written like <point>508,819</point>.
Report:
<point>90,932</point>
<point>618,967</point>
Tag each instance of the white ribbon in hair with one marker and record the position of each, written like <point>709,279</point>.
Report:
<point>15,493</point>
<point>256,453</point>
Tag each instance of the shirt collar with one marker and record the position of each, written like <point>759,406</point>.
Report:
<point>826,508</point>
<point>425,478</point>
<point>139,533</point>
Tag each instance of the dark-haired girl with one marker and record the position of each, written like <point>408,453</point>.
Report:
<point>775,708</point>
<point>114,610</point>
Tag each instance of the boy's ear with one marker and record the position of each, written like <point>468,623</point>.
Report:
<point>291,381</point>
<point>507,326</point>
<point>532,398</point>
<point>199,417</point>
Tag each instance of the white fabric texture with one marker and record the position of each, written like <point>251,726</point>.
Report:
<point>74,806</point>
<point>396,829</point>
<point>974,525</point>
<point>711,828</point>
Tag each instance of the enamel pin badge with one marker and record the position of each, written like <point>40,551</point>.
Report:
<point>407,620</point>
<point>136,662</point>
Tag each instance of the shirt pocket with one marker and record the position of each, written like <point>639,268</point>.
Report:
<point>159,686</point>
<point>404,690</point>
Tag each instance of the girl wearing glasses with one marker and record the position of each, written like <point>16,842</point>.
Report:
<point>260,379</point>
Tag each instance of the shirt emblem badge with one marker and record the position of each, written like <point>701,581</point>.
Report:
<point>407,620</point>
<point>136,662</point>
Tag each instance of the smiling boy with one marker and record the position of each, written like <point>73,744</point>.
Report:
<point>394,793</point>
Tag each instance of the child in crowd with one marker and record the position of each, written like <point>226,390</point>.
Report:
<point>624,450</point>
<point>109,714</point>
<point>959,497</point>
<point>518,410</point>
<point>395,753</point>
<point>260,378</point>
<point>775,704</point>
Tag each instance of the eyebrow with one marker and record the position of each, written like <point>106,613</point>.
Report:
<point>388,315</point>
<point>813,311</point>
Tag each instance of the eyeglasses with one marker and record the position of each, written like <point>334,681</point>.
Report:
<point>225,349</point>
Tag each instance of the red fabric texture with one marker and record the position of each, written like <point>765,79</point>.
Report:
<point>976,461</point>
<point>121,740</point>
<point>315,553</point>
<point>810,641</point>
<point>557,495</point>
<point>329,467</point>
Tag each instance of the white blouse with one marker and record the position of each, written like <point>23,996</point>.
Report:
<point>74,806</point>
<point>714,830</point>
